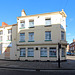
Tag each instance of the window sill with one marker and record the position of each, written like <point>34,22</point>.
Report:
<point>22,56</point>
<point>48,25</point>
<point>48,40</point>
<point>63,56</point>
<point>8,40</point>
<point>52,56</point>
<point>30,56</point>
<point>22,28</point>
<point>43,56</point>
<point>31,41</point>
<point>31,27</point>
<point>0,41</point>
<point>21,41</point>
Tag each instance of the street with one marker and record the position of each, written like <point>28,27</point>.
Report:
<point>50,72</point>
<point>29,68</point>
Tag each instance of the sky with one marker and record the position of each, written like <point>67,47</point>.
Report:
<point>11,9</point>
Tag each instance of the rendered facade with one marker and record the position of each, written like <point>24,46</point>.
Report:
<point>35,37</point>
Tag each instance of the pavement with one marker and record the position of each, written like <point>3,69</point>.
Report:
<point>66,65</point>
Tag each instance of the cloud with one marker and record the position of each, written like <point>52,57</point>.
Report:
<point>68,33</point>
<point>70,20</point>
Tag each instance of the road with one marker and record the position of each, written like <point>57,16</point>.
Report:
<point>50,72</point>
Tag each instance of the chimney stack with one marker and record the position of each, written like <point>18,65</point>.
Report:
<point>23,13</point>
<point>4,24</point>
<point>73,40</point>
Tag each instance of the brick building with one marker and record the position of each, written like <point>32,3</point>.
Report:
<point>72,46</point>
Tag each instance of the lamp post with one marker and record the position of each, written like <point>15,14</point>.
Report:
<point>59,46</point>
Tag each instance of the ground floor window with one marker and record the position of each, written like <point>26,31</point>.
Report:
<point>43,52</point>
<point>63,52</point>
<point>52,52</point>
<point>22,52</point>
<point>30,52</point>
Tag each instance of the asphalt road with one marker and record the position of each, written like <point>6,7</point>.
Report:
<point>50,72</point>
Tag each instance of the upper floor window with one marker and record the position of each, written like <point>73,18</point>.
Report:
<point>9,37</point>
<point>62,35</point>
<point>1,32</point>
<point>22,23</point>
<point>48,35</point>
<point>1,38</point>
<point>31,36</point>
<point>9,31</point>
<point>31,23</point>
<point>22,36</point>
<point>48,21</point>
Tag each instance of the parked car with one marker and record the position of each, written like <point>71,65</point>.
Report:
<point>68,53</point>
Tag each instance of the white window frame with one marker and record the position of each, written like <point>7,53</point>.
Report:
<point>22,36</point>
<point>43,52</point>
<point>31,36</point>
<point>30,52</point>
<point>47,35</point>
<point>62,52</point>
<point>9,37</point>
<point>22,22</point>
<point>1,35</point>
<point>1,38</point>
<point>53,51</point>
<point>62,35</point>
<point>48,21</point>
<point>31,23</point>
<point>22,52</point>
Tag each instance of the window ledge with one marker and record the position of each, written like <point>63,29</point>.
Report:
<point>21,41</point>
<point>63,56</point>
<point>43,56</point>
<point>30,56</point>
<point>31,41</point>
<point>8,40</point>
<point>48,40</point>
<point>52,56</point>
<point>48,25</point>
<point>21,27</point>
<point>22,56</point>
<point>31,27</point>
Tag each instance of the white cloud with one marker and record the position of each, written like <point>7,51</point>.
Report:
<point>68,33</point>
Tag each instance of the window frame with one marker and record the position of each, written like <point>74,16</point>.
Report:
<point>31,23</point>
<point>30,53</point>
<point>23,51</point>
<point>52,55</point>
<point>63,50</point>
<point>47,20</point>
<point>22,37</point>
<point>22,22</point>
<point>43,52</point>
<point>48,36</point>
<point>62,34</point>
<point>31,37</point>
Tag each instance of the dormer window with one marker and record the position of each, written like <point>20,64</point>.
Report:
<point>22,23</point>
<point>31,23</point>
<point>48,21</point>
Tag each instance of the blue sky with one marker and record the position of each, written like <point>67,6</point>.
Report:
<point>11,9</point>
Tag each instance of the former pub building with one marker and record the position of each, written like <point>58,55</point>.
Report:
<point>34,37</point>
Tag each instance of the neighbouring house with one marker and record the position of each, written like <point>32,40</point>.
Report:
<point>72,46</point>
<point>34,37</point>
